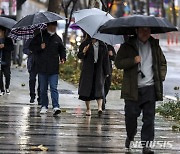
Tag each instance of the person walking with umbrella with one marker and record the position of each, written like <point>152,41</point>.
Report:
<point>6,47</point>
<point>144,71</point>
<point>50,52</point>
<point>95,69</point>
<point>90,20</point>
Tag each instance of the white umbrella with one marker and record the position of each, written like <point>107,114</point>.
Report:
<point>80,14</point>
<point>90,21</point>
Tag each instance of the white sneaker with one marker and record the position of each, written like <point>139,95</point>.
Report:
<point>56,111</point>
<point>2,93</point>
<point>7,91</point>
<point>43,110</point>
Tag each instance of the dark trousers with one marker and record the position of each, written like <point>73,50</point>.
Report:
<point>32,84</point>
<point>146,106</point>
<point>107,85</point>
<point>6,72</point>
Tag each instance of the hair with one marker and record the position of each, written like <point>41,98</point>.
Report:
<point>52,23</point>
<point>3,28</point>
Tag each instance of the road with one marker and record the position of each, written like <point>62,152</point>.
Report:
<point>172,54</point>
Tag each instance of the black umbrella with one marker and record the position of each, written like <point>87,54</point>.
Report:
<point>25,28</point>
<point>38,18</point>
<point>7,22</point>
<point>127,25</point>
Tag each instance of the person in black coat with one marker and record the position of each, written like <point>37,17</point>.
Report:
<point>49,51</point>
<point>32,69</point>
<point>6,48</point>
<point>95,69</point>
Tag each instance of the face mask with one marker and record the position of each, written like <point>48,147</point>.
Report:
<point>51,33</point>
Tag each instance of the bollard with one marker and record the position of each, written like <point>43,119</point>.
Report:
<point>172,38</point>
<point>168,38</point>
<point>177,38</point>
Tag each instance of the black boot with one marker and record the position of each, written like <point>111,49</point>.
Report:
<point>104,104</point>
<point>32,100</point>
<point>127,143</point>
<point>38,99</point>
<point>147,150</point>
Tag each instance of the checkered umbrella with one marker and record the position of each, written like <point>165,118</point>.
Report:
<point>25,33</point>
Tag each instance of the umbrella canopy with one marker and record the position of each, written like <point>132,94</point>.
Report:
<point>38,18</point>
<point>25,28</point>
<point>127,25</point>
<point>7,22</point>
<point>80,14</point>
<point>25,33</point>
<point>91,19</point>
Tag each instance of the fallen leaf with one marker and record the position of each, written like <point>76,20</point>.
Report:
<point>39,148</point>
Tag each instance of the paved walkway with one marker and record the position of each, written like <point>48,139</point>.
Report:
<point>21,126</point>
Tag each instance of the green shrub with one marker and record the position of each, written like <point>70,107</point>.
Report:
<point>171,109</point>
<point>70,71</point>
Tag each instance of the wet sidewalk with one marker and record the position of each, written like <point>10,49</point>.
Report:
<point>22,127</point>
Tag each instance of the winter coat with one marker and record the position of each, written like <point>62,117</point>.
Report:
<point>48,58</point>
<point>7,51</point>
<point>125,60</point>
<point>102,70</point>
<point>32,58</point>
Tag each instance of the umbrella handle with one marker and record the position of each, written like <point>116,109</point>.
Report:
<point>41,36</point>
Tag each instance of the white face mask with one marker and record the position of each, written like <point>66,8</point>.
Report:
<point>51,33</point>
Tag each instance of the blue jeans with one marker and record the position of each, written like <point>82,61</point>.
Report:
<point>51,80</point>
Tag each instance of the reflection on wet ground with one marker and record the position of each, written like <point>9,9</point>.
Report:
<point>22,127</point>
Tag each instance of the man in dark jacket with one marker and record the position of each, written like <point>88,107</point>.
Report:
<point>50,51</point>
<point>145,69</point>
<point>6,47</point>
<point>32,69</point>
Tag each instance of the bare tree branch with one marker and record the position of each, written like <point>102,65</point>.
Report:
<point>89,4</point>
<point>104,7</point>
<point>70,17</point>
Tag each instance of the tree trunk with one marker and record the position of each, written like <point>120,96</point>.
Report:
<point>147,7</point>
<point>162,9</point>
<point>174,13</point>
<point>68,16</point>
<point>10,7</point>
<point>132,6</point>
<point>65,33</point>
<point>54,6</point>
